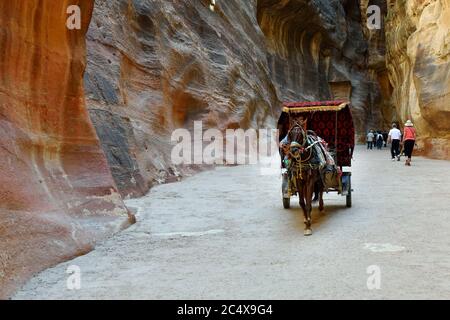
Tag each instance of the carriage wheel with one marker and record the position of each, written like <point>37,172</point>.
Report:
<point>349,193</point>
<point>284,187</point>
<point>286,203</point>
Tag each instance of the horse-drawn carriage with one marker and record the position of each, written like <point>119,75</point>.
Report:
<point>317,140</point>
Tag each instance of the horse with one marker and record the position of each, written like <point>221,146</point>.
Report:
<point>304,176</point>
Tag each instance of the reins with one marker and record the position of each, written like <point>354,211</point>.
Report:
<point>299,163</point>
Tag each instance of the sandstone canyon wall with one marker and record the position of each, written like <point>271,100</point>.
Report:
<point>315,45</point>
<point>418,59</point>
<point>154,66</point>
<point>376,63</point>
<point>57,196</point>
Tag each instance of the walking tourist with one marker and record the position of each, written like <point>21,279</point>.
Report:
<point>380,140</point>
<point>409,140</point>
<point>370,139</point>
<point>394,138</point>
<point>385,138</point>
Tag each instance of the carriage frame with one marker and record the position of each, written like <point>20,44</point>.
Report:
<point>333,122</point>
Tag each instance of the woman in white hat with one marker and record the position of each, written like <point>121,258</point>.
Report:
<point>409,140</point>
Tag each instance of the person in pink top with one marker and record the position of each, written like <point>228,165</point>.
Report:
<point>409,140</point>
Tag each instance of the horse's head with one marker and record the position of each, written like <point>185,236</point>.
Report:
<point>297,136</point>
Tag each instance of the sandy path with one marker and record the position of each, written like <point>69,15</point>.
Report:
<point>224,234</point>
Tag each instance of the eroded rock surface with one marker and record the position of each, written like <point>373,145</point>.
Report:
<point>57,196</point>
<point>418,59</point>
<point>154,66</point>
<point>316,47</point>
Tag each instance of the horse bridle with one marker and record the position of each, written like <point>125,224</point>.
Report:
<point>301,147</point>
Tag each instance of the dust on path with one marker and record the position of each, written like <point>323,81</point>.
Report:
<point>223,234</point>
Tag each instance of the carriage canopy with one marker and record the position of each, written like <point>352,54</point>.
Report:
<point>331,120</point>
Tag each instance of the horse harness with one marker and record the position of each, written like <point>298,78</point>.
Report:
<point>297,167</point>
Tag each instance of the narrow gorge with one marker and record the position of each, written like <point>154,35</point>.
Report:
<point>86,115</point>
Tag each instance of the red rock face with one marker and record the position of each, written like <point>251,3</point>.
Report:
<point>154,66</point>
<point>57,195</point>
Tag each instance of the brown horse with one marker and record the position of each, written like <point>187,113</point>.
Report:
<point>304,176</point>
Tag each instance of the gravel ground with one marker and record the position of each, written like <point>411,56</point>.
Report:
<point>223,234</point>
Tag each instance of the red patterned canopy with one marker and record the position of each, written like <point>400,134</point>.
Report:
<point>331,120</point>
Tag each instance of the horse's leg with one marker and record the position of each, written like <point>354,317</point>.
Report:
<point>303,205</point>
<point>319,182</point>
<point>316,191</point>
<point>321,205</point>
<point>309,190</point>
<point>301,198</point>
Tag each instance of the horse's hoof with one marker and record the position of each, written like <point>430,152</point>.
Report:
<point>308,232</point>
